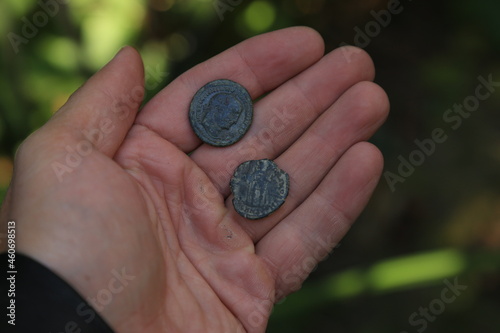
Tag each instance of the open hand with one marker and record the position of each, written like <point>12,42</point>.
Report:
<point>102,190</point>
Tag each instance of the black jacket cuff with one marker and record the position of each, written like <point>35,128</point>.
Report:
<point>37,300</point>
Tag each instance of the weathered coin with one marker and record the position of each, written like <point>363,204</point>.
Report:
<point>259,187</point>
<point>221,112</point>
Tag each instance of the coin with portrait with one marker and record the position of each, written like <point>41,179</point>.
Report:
<point>221,112</point>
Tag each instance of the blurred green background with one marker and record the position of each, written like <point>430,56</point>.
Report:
<point>441,224</point>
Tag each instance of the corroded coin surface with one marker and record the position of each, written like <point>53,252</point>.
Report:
<point>221,112</point>
<point>259,187</point>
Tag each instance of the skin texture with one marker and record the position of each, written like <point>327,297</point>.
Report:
<point>101,188</point>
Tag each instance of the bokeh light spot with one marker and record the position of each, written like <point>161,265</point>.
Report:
<point>417,269</point>
<point>60,52</point>
<point>346,284</point>
<point>108,27</point>
<point>259,16</point>
<point>6,168</point>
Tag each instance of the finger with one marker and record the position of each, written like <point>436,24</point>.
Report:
<point>294,247</point>
<point>101,112</point>
<point>283,115</point>
<point>353,118</point>
<point>259,64</point>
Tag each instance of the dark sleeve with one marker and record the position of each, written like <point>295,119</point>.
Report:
<point>43,301</point>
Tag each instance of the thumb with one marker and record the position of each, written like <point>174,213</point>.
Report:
<point>102,111</point>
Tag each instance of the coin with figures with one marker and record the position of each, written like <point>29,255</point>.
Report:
<point>221,112</point>
<point>259,188</point>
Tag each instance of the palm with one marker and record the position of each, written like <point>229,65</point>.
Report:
<point>167,216</point>
<point>221,282</point>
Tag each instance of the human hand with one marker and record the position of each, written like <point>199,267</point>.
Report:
<point>135,202</point>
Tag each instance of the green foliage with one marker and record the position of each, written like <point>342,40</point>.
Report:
<point>428,59</point>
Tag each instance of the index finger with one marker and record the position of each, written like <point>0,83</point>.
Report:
<point>260,64</point>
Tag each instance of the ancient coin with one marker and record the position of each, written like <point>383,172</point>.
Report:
<point>221,112</point>
<point>259,187</point>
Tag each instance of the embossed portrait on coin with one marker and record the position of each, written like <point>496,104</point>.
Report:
<point>223,112</point>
